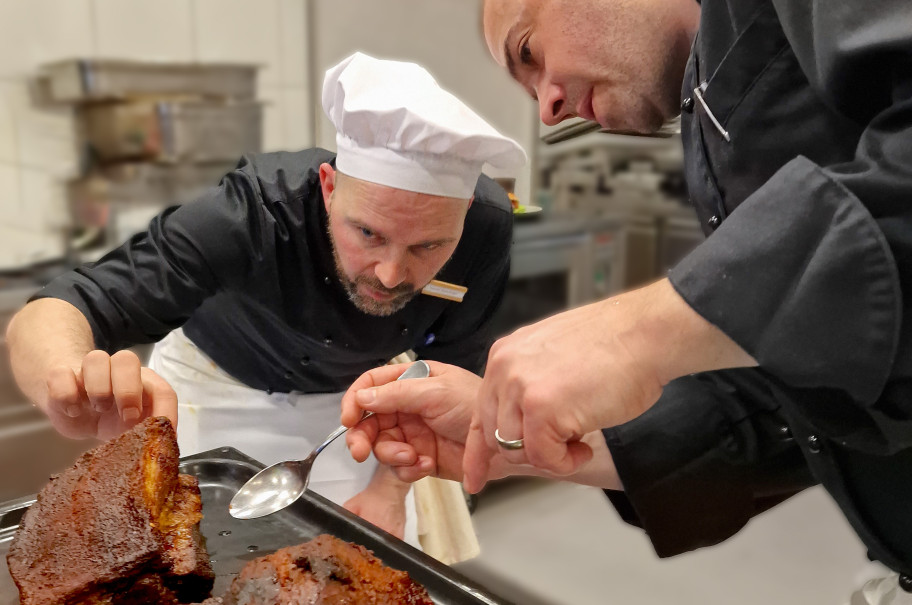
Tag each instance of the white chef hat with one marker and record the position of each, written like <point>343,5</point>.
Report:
<point>396,126</point>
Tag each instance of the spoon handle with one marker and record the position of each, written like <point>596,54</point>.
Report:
<point>336,433</point>
<point>419,369</point>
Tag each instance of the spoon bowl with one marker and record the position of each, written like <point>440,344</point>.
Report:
<point>277,486</point>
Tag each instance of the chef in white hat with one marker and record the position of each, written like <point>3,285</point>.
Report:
<point>276,289</point>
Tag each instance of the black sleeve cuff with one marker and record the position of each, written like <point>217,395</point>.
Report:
<point>807,285</point>
<point>712,453</point>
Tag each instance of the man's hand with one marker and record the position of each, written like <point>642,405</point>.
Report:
<point>589,368</point>
<point>382,502</point>
<point>106,396</point>
<point>85,393</point>
<point>420,426</point>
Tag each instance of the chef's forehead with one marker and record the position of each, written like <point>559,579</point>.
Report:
<point>345,182</point>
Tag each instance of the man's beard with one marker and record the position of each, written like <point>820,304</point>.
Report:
<point>402,293</point>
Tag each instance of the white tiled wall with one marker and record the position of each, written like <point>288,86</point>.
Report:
<point>37,145</point>
<point>136,29</point>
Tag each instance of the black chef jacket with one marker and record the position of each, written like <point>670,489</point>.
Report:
<point>804,188</point>
<point>248,271</point>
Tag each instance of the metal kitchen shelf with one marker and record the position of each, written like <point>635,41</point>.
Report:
<point>85,80</point>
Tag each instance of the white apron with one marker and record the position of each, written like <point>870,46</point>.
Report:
<point>882,591</point>
<point>216,410</point>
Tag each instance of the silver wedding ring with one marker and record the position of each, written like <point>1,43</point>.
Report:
<point>508,444</point>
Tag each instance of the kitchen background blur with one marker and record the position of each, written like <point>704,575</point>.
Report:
<point>111,110</point>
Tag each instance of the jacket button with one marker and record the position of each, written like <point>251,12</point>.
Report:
<point>905,582</point>
<point>269,391</point>
<point>814,444</point>
<point>326,280</point>
<point>785,433</point>
<point>405,331</point>
<point>288,375</point>
<point>327,341</point>
<point>305,361</point>
<point>714,221</point>
<point>687,105</point>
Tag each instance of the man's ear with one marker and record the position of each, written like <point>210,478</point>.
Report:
<point>327,183</point>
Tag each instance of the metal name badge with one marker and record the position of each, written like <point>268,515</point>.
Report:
<point>442,289</point>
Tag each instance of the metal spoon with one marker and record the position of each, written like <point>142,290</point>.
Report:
<point>277,486</point>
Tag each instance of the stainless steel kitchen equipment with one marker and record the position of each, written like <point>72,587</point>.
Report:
<point>575,127</point>
<point>82,80</point>
<point>172,130</point>
<point>566,260</point>
<point>152,134</point>
<point>232,543</point>
<point>550,271</point>
<point>121,198</point>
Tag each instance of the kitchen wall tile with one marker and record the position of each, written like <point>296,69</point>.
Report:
<point>293,42</point>
<point>8,148</point>
<point>43,204</point>
<point>9,194</point>
<point>159,30</point>
<point>46,139</point>
<point>240,31</point>
<point>296,107</point>
<point>38,31</point>
<point>21,248</point>
<point>8,251</point>
<point>273,119</point>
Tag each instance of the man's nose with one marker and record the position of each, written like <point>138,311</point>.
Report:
<point>391,271</point>
<point>552,103</point>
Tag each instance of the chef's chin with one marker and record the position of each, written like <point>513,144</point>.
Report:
<point>650,125</point>
<point>378,308</point>
<point>633,116</point>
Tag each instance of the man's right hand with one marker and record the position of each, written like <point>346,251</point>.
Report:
<point>420,425</point>
<point>106,396</point>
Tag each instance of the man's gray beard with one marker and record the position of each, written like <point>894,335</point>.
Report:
<point>371,306</point>
<point>363,303</point>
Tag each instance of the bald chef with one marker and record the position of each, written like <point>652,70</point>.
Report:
<point>272,292</point>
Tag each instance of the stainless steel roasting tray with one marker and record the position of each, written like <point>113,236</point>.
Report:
<point>232,542</point>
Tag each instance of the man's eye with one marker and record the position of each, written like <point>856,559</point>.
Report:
<point>525,53</point>
<point>430,246</point>
<point>366,232</point>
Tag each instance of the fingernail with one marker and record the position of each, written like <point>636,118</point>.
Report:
<point>130,415</point>
<point>402,457</point>
<point>366,396</point>
<point>73,410</point>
